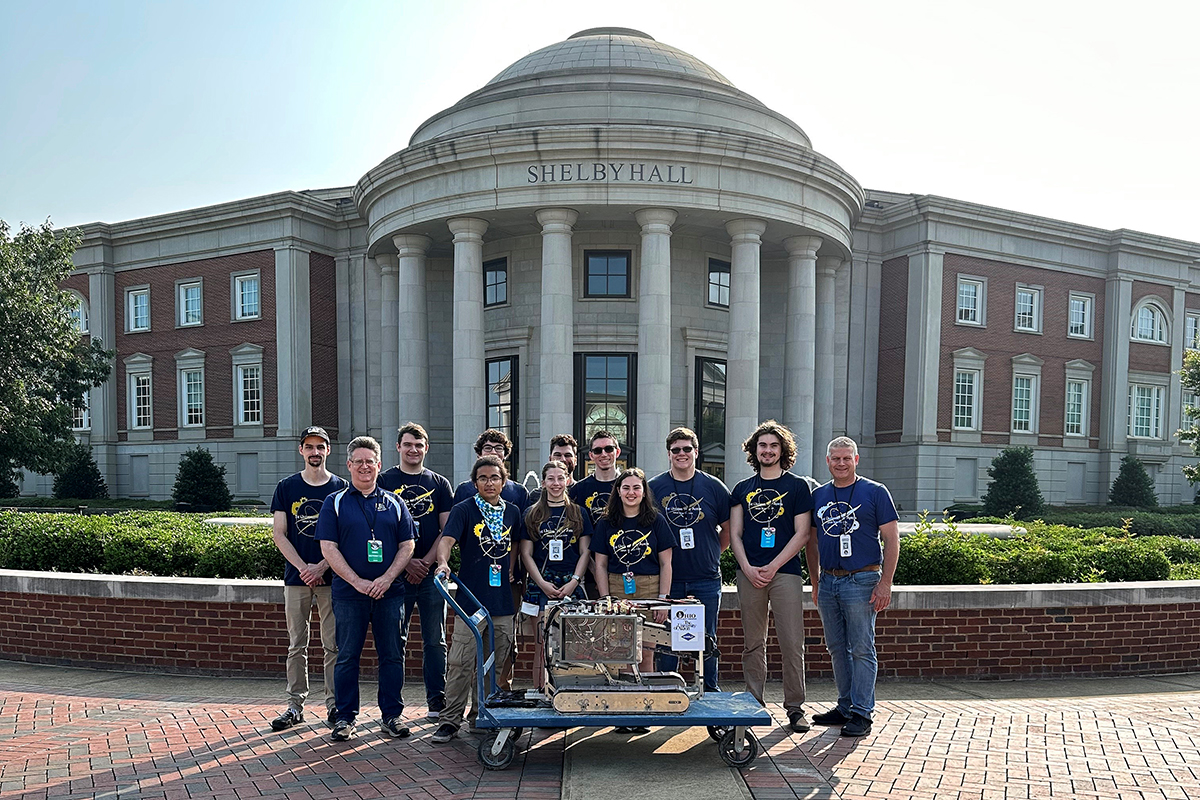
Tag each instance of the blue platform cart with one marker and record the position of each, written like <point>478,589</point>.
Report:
<point>727,715</point>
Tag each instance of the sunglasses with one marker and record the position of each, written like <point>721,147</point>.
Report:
<point>685,449</point>
<point>608,448</point>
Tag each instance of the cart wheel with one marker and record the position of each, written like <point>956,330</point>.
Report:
<point>516,734</point>
<point>715,732</point>
<point>499,760</point>
<point>731,756</point>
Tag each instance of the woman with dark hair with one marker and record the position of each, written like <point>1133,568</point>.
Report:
<point>632,543</point>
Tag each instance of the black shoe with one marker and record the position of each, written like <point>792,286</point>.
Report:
<point>293,716</point>
<point>342,730</point>
<point>435,708</point>
<point>833,716</point>
<point>394,728</point>
<point>797,721</point>
<point>444,733</point>
<point>857,726</point>
<point>331,717</point>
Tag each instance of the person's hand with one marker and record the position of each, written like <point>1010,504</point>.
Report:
<point>881,598</point>
<point>443,570</point>
<point>661,614</point>
<point>312,574</point>
<point>377,588</point>
<point>814,599</point>
<point>417,569</point>
<point>755,576</point>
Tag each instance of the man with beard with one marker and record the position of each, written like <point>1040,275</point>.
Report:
<point>296,504</point>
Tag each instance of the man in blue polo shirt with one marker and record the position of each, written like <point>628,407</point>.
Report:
<point>367,536</point>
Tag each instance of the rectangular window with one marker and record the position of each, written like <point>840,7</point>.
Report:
<point>81,417</point>
<point>966,393</point>
<point>495,282</point>
<point>970,305</point>
<point>1079,316</point>
<point>718,283</point>
<point>1022,416</point>
<point>1145,411</point>
<point>1029,310</point>
<point>190,304</point>
<point>606,273</point>
<point>137,310</point>
<point>1188,410</point>
<point>250,395</point>
<point>502,410</point>
<point>141,402</point>
<point>710,415</point>
<point>193,397</point>
<point>247,297</point>
<point>1192,332</point>
<point>605,394</point>
<point>1073,413</point>
<point>79,313</point>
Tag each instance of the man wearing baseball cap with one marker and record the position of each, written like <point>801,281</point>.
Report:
<point>306,576</point>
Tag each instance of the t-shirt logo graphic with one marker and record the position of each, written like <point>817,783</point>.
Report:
<point>492,546</point>
<point>305,512</point>
<point>682,510</point>
<point>418,499</point>
<point>765,505</point>
<point>595,504</point>
<point>630,547</point>
<point>551,529</point>
<point>838,518</point>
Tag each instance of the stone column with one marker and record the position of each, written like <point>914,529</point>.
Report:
<point>470,407</point>
<point>800,354</point>
<point>654,338</point>
<point>922,350</point>
<point>389,343</point>
<point>557,334</point>
<point>412,374</point>
<point>1114,373</point>
<point>102,400</point>
<point>741,374</point>
<point>827,267</point>
<point>293,337</point>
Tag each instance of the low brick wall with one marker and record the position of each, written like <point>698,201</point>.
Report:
<point>237,627</point>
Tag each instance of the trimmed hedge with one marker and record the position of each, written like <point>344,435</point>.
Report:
<point>1182,521</point>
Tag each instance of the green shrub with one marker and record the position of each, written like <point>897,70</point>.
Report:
<point>52,542</point>
<point>80,478</point>
<point>1133,486</point>
<point>157,543</point>
<point>937,558</point>
<point>200,483</point>
<point>1014,487</point>
<point>243,551</point>
<point>1131,561</point>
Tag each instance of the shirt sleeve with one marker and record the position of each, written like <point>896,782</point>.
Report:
<point>443,498</point>
<point>664,539</point>
<point>885,509</point>
<point>407,527</point>
<point>327,527</point>
<point>456,523</point>
<point>600,538</point>
<point>278,501</point>
<point>721,499</point>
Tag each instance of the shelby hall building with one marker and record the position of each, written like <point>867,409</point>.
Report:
<point>609,234</point>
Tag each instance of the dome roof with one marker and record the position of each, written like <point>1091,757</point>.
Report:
<point>610,49</point>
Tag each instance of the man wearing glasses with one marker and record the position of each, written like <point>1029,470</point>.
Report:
<point>367,536</point>
<point>593,491</point>
<point>495,443</point>
<point>696,506</point>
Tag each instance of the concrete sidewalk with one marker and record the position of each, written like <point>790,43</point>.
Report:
<point>91,734</point>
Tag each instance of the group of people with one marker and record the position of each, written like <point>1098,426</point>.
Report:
<point>366,553</point>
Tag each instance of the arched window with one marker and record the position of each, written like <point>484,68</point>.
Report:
<point>79,311</point>
<point>1149,322</point>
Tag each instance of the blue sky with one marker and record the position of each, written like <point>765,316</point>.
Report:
<point>1082,111</point>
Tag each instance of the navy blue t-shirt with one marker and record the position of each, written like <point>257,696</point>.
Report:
<point>700,503</point>
<point>592,494</point>
<point>631,547</point>
<point>478,550</point>
<point>775,504</point>
<point>859,510</point>
<point>553,527</point>
<point>513,492</point>
<point>300,502</point>
<point>350,519</point>
<point>427,496</point>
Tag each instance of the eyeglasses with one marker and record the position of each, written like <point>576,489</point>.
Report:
<point>492,448</point>
<point>363,462</point>
<point>608,448</point>
<point>488,479</point>
<point>685,449</point>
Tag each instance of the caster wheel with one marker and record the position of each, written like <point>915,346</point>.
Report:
<point>733,758</point>
<point>715,732</point>
<point>501,760</point>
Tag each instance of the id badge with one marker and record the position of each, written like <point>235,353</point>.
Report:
<point>768,538</point>
<point>556,550</point>
<point>687,539</point>
<point>844,539</point>
<point>374,551</point>
<point>494,575</point>
<point>630,583</point>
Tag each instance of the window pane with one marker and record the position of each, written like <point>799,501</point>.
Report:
<point>139,310</point>
<point>718,282</point>
<point>1022,403</point>
<point>248,298</point>
<point>1193,333</point>
<point>141,401</point>
<point>190,304</point>
<point>1026,314</point>
<point>1074,409</point>
<point>968,301</point>
<point>193,381</point>
<point>251,394</point>
<point>1078,325</point>
<point>495,282</point>
<point>710,415</point>
<point>964,399</point>
<point>607,274</point>
<point>606,396</point>
<point>502,402</point>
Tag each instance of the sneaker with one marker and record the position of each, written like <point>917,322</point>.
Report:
<point>394,728</point>
<point>857,726</point>
<point>331,717</point>
<point>797,721</point>
<point>444,733</point>
<point>833,716</point>
<point>290,717</point>
<point>435,708</point>
<point>343,729</point>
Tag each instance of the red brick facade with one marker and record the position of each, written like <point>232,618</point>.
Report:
<point>323,341</point>
<point>893,321</point>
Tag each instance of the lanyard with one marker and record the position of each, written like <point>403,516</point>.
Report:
<point>374,513</point>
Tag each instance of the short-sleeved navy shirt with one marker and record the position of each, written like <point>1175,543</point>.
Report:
<point>513,492</point>
<point>427,496</point>
<point>631,547</point>
<point>592,494</point>
<point>775,504</point>
<point>859,510</point>
<point>300,502</point>
<point>555,527</point>
<point>700,503</point>
<point>478,550</point>
<point>351,519</point>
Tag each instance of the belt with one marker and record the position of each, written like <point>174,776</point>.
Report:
<point>841,573</point>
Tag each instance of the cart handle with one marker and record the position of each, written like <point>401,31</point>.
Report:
<point>483,665</point>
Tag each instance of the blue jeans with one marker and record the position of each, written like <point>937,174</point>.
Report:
<point>849,621</point>
<point>432,608</point>
<point>384,617</point>
<point>708,592</point>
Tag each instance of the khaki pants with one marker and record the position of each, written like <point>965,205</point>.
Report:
<point>460,667</point>
<point>647,587</point>
<point>784,596</point>
<point>297,608</point>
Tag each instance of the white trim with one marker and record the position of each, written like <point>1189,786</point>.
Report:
<point>1089,326</point>
<point>1036,312</point>
<point>130,293</point>
<point>181,287</point>
<point>980,300</point>
<point>1162,331</point>
<point>235,295</point>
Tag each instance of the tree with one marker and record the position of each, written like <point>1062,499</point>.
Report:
<point>200,483</point>
<point>1133,486</point>
<point>46,365</point>
<point>1191,414</point>
<point>1014,487</point>
<point>80,478</point>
